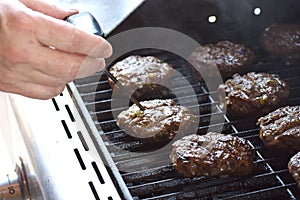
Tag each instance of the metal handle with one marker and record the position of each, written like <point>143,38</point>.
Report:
<point>87,22</point>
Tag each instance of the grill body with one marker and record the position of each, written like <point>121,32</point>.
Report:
<point>58,148</point>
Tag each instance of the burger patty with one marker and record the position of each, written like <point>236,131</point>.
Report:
<point>280,129</point>
<point>143,75</point>
<point>159,122</point>
<point>283,41</point>
<point>253,94</point>
<point>211,155</point>
<point>294,168</point>
<point>227,56</point>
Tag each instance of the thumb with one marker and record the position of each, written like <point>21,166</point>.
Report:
<point>48,9</point>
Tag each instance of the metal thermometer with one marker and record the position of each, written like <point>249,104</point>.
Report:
<point>87,22</point>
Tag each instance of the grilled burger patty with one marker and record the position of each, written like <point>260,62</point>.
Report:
<point>142,75</point>
<point>280,129</point>
<point>294,168</point>
<point>159,122</point>
<point>211,155</point>
<point>227,56</point>
<point>253,94</point>
<point>283,41</point>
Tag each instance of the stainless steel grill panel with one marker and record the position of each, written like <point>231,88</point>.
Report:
<point>54,152</point>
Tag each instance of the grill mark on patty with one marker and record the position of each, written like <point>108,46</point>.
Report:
<point>282,41</point>
<point>143,75</point>
<point>253,93</point>
<point>294,168</point>
<point>161,120</point>
<point>228,57</point>
<point>211,155</point>
<point>281,128</point>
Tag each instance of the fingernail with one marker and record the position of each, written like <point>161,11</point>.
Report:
<point>107,52</point>
<point>73,10</point>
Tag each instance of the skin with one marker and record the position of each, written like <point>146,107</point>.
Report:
<point>40,53</point>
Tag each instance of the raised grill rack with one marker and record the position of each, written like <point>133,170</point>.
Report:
<point>151,176</point>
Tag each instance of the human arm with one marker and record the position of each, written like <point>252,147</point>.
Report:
<point>40,53</point>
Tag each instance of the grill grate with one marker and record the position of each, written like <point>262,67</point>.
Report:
<point>147,177</point>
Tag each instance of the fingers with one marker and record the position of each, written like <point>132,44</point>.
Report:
<point>40,84</point>
<point>64,36</point>
<point>50,67</point>
<point>37,91</point>
<point>19,84</point>
<point>37,80</point>
<point>90,66</point>
<point>67,37</point>
<point>48,9</point>
<point>65,65</point>
<point>38,77</point>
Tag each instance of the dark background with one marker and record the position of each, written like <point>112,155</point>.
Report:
<point>235,18</point>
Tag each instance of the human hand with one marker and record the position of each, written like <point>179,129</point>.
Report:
<point>40,53</point>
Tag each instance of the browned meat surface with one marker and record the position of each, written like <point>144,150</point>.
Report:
<point>283,41</point>
<point>144,75</point>
<point>160,121</point>
<point>211,155</point>
<point>294,168</point>
<point>280,129</point>
<point>253,94</point>
<point>228,57</point>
